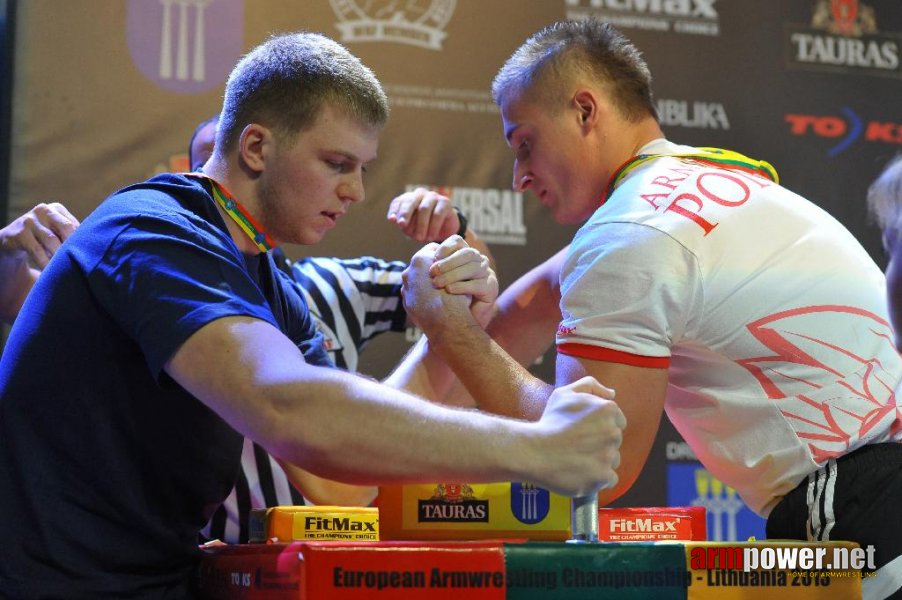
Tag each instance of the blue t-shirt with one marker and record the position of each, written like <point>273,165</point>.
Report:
<point>108,468</point>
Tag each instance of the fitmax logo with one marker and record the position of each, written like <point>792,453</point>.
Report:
<point>845,129</point>
<point>643,525</point>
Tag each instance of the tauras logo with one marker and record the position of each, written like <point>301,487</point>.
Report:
<point>453,503</point>
<point>496,215</point>
<point>696,115</point>
<point>694,17</point>
<point>415,22</point>
<point>639,525</point>
<point>843,36</point>
<point>463,511</point>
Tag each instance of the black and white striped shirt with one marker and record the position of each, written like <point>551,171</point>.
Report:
<point>351,301</point>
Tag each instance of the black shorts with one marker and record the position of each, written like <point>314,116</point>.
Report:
<point>856,498</point>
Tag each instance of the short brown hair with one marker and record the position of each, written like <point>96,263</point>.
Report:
<point>284,83</point>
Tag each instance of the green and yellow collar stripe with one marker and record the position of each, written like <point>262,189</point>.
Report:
<point>717,157</point>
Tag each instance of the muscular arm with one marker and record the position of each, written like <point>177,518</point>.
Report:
<point>498,382</point>
<point>524,321</point>
<point>322,491</point>
<point>640,395</point>
<point>528,312</point>
<point>256,379</point>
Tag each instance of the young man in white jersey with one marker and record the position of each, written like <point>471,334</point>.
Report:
<point>699,286</point>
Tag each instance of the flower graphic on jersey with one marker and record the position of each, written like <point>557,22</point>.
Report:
<point>829,417</point>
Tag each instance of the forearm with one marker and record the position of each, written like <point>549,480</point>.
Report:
<point>424,373</point>
<point>338,425</point>
<point>322,491</point>
<point>640,393</point>
<point>396,438</point>
<point>499,383</point>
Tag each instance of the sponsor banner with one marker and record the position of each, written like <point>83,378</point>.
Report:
<point>358,571</point>
<point>291,523</point>
<point>689,17</point>
<point>185,46</point>
<point>426,97</point>
<point>612,570</point>
<point>495,214</point>
<point>843,37</point>
<point>787,555</point>
<point>692,114</point>
<point>774,569</point>
<point>495,570</point>
<point>450,510</point>
<point>652,523</point>
<point>843,129</point>
<point>418,23</point>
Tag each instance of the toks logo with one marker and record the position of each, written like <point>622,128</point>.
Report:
<point>843,37</point>
<point>414,22</point>
<point>844,130</point>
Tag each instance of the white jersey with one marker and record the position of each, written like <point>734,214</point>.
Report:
<point>769,315</point>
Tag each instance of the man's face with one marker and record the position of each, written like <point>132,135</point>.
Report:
<point>552,157</point>
<point>310,184</point>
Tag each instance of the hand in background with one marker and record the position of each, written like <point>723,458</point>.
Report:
<point>424,215</point>
<point>26,246</point>
<point>37,235</point>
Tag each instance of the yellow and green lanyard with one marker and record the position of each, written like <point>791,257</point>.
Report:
<point>239,214</point>
<point>726,159</point>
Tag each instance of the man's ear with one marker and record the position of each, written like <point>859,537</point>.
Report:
<point>587,108</point>
<point>253,146</point>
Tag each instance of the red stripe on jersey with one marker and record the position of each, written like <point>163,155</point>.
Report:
<point>616,356</point>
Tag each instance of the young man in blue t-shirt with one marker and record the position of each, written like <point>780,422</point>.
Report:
<point>161,334</point>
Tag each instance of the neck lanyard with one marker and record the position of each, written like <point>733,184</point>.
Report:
<point>713,156</point>
<point>239,214</point>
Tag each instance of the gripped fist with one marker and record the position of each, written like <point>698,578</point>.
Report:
<point>462,270</point>
<point>580,432</point>
<point>428,305</point>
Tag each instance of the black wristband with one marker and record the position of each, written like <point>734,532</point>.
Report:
<point>463,222</point>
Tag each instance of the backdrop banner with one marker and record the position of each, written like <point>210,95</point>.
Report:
<point>108,92</point>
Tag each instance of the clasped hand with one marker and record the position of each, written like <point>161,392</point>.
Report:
<point>449,281</point>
